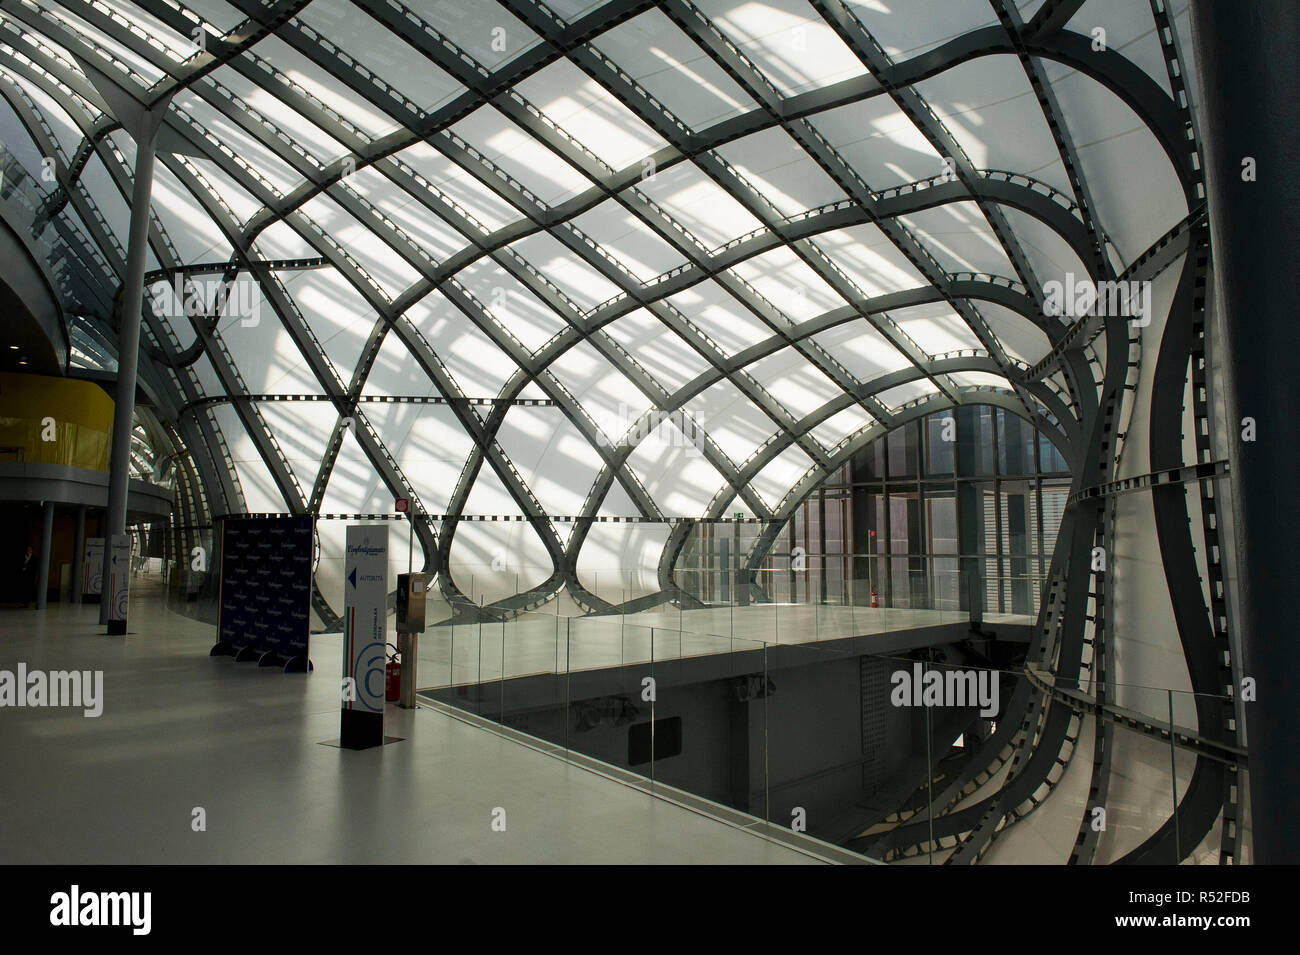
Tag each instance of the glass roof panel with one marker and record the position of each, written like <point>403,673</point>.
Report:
<point>781,171</point>
<point>659,349</point>
<point>729,324</point>
<point>669,66</point>
<point>694,200</point>
<point>537,168</point>
<point>590,114</point>
<point>780,474</point>
<point>794,47</point>
<point>958,235</point>
<point>879,141</point>
<point>627,238</point>
<point>908,29</point>
<point>935,327</point>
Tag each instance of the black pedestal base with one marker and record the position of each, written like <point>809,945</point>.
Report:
<point>117,628</point>
<point>359,729</point>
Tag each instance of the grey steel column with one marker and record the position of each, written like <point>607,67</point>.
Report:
<point>78,554</point>
<point>128,352</point>
<point>47,539</point>
<point>1246,56</point>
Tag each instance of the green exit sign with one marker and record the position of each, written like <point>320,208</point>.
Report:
<point>739,515</point>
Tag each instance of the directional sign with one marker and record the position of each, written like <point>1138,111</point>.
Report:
<point>92,574</point>
<point>365,628</point>
<point>119,579</point>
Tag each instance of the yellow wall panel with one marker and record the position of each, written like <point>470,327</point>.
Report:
<point>48,420</point>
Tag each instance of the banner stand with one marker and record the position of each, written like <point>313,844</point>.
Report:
<point>298,665</point>
<point>265,591</point>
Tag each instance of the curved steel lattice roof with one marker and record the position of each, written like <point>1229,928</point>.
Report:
<point>607,270</point>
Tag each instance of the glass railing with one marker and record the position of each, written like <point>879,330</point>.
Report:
<point>838,740</point>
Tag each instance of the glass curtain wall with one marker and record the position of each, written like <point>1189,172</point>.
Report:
<point>950,509</point>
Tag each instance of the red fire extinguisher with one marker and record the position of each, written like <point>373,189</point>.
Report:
<point>875,599</point>
<point>393,677</point>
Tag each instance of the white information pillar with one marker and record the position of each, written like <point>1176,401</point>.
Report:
<point>119,577</point>
<point>365,631</point>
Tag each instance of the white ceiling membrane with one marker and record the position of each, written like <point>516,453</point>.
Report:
<point>584,260</point>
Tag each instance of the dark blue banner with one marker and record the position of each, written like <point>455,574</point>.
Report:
<point>266,585</point>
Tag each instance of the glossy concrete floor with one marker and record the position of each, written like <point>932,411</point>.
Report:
<point>181,732</point>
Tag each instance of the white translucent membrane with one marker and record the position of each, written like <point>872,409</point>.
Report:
<point>658,55</point>
<point>936,328</point>
<point>433,234</point>
<point>511,304</point>
<point>780,474</point>
<point>261,494</point>
<point>620,561</point>
<point>716,312</point>
<point>279,105</point>
<point>870,260</point>
<point>200,106</point>
<point>907,30</point>
<point>703,207</point>
<point>566,270</point>
<point>590,114</point>
<point>781,171</point>
<point>477,365</point>
<point>960,238</point>
<point>317,83</point>
<point>895,398</point>
<point>628,239</point>
<point>502,557</point>
<point>991,110</point>
<point>1019,337</point>
<point>795,48</point>
<point>1049,255</point>
<point>67,133</point>
<point>878,140</point>
<point>558,465</point>
<point>360,239</point>
<point>980,379</point>
<point>1131,31</point>
<point>665,355</point>
<point>842,425</point>
<point>382,53</point>
<point>789,284</point>
<point>794,381</point>
<point>336,312</point>
<point>862,349</point>
<point>302,429</point>
<point>489,34</point>
<point>191,230</point>
<point>731,419</point>
<point>536,168</point>
<point>452,183</point>
<point>1142,199</point>
<point>610,398</point>
<point>678,477</point>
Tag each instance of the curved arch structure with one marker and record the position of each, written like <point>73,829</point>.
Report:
<point>489,250</point>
